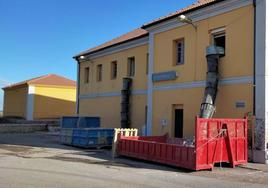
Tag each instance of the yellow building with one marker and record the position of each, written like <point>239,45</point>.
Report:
<point>166,60</point>
<point>49,96</point>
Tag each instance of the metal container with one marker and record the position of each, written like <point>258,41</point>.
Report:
<point>66,139</point>
<point>69,122</point>
<point>82,122</point>
<point>66,135</point>
<point>66,132</point>
<point>92,137</point>
<point>216,141</point>
<point>89,122</point>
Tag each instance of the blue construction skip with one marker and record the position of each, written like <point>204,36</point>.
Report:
<point>92,137</point>
<point>80,122</point>
<point>85,132</point>
<point>66,136</point>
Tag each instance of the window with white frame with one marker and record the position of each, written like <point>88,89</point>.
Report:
<point>219,37</point>
<point>131,66</point>
<point>179,51</point>
<point>113,70</point>
<point>99,73</point>
<point>86,75</point>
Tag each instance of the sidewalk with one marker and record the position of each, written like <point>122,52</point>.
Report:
<point>256,166</point>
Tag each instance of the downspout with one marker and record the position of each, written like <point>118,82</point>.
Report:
<point>77,87</point>
<point>213,57</point>
<point>254,61</point>
<point>254,83</point>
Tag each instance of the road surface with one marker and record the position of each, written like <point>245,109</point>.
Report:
<point>38,160</point>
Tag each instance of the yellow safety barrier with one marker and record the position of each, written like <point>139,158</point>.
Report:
<point>123,132</point>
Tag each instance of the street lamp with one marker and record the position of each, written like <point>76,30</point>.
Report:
<point>184,19</point>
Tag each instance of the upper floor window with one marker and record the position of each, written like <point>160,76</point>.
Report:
<point>113,70</point>
<point>179,49</point>
<point>86,76</point>
<point>131,66</point>
<point>219,37</point>
<point>99,72</point>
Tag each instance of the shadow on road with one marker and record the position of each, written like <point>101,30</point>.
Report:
<point>23,142</point>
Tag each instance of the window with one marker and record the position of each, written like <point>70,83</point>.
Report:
<point>147,63</point>
<point>218,37</point>
<point>114,70</point>
<point>179,49</point>
<point>99,72</point>
<point>131,66</point>
<point>219,40</point>
<point>86,78</point>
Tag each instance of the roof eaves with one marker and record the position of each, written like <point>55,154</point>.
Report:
<point>145,26</point>
<point>122,42</point>
<point>15,86</point>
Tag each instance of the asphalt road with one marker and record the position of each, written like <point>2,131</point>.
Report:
<point>38,160</point>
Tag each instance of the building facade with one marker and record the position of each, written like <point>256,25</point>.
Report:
<point>166,60</point>
<point>45,97</point>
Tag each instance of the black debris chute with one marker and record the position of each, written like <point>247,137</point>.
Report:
<point>213,54</point>
<point>125,100</point>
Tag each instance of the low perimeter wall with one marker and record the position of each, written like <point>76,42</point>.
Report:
<point>22,128</point>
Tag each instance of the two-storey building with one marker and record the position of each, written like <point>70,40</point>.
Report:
<point>166,60</point>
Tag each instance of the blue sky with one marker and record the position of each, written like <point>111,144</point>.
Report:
<point>39,37</point>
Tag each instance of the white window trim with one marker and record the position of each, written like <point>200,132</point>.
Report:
<point>182,41</point>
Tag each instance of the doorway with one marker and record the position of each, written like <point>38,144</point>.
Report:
<point>178,124</point>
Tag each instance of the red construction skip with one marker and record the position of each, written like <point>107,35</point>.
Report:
<point>216,140</point>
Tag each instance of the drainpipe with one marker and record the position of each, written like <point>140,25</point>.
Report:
<point>254,61</point>
<point>208,105</point>
<point>77,86</point>
<point>254,85</point>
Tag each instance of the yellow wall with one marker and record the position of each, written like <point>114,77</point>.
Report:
<point>237,62</point>
<point>54,102</point>
<point>15,101</point>
<point>190,100</point>
<point>109,85</point>
<point>239,47</point>
<point>109,108</point>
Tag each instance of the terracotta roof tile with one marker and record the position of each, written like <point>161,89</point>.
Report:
<point>197,4</point>
<point>50,79</point>
<point>137,33</point>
